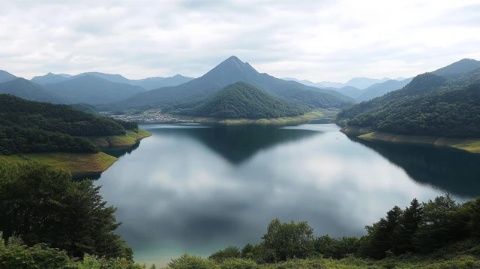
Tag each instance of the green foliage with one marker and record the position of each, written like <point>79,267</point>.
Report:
<point>336,248</point>
<point>191,262</point>
<point>227,253</point>
<point>15,255</point>
<point>241,100</point>
<point>287,240</point>
<point>236,263</point>
<point>42,205</point>
<point>92,262</point>
<point>27,127</point>
<point>429,106</point>
<point>439,228</point>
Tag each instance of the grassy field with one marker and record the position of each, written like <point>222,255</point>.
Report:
<point>83,164</point>
<point>76,163</point>
<point>120,141</point>
<point>469,145</point>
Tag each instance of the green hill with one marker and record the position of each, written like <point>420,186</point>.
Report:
<point>242,100</point>
<point>430,105</point>
<point>29,127</point>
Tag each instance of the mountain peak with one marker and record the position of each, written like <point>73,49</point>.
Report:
<point>460,67</point>
<point>233,58</point>
<point>231,70</point>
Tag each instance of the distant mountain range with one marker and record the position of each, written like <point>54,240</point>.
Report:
<point>360,89</point>
<point>146,83</point>
<point>228,72</point>
<point>444,103</point>
<point>25,89</point>
<point>359,83</point>
<point>381,88</point>
<point>179,93</point>
<point>89,88</point>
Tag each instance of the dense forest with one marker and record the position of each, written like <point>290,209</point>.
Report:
<point>47,220</point>
<point>430,105</point>
<point>27,126</point>
<point>242,100</point>
<point>438,231</point>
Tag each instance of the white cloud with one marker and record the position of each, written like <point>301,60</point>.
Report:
<point>316,40</point>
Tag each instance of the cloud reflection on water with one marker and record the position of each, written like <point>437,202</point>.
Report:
<point>177,193</point>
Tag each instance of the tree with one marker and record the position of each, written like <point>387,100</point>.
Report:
<point>441,224</point>
<point>408,226</point>
<point>380,235</point>
<point>42,205</point>
<point>288,240</point>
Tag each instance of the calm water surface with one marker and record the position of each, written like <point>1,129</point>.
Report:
<point>197,189</point>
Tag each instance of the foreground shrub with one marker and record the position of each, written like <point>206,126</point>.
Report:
<point>227,253</point>
<point>236,263</point>
<point>288,240</point>
<point>15,255</point>
<point>191,262</point>
<point>92,262</point>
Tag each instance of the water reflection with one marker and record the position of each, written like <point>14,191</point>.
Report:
<point>196,190</point>
<point>452,171</point>
<point>236,144</point>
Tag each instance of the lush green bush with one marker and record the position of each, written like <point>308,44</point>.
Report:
<point>15,255</point>
<point>237,263</point>
<point>336,248</point>
<point>227,253</point>
<point>42,205</point>
<point>191,262</point>
<point>288,240</point>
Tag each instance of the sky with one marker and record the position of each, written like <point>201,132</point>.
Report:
<point>318,40</point>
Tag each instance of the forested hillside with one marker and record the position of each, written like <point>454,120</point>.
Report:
<point>27,126</point>
<point>430,105</point>
<point>241,100</point>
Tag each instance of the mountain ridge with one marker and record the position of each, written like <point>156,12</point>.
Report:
<point>230,71</point>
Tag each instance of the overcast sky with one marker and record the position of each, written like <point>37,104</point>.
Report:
<point>316,40</point>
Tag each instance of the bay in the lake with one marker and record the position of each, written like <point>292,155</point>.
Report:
<point>195,189</point>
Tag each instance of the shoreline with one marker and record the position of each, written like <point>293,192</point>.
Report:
<point>470,145</point>
<point>84,165</point>
<point>156,117</point>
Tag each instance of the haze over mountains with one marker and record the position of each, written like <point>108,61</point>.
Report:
<point>146,83</point>
<point>187,95</point>
<point>89,88</point>
<point>361,89</point>
<point>228,72</point>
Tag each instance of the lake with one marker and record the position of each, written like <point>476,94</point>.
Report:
<point>195,189</point>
